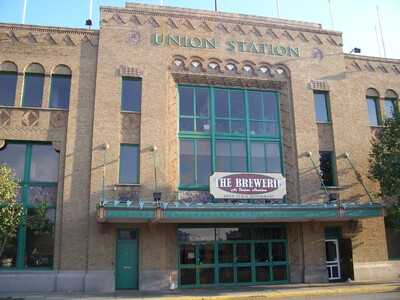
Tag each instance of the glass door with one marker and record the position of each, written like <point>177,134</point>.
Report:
<point>332,259</point>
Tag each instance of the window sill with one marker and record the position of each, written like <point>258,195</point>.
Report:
<point>324,123</point>
<point>35,108</point>
<point>127,184</point>
<point>332,187</point>
<point>130,112</point>
<point>194,188</point>
<point>376,126</point>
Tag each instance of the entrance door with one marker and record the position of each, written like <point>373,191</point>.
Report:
<point>126,269</point>
<point>233,262</point>
<point>346,259</point>
<point>332,259</point>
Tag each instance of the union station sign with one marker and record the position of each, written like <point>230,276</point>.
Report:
<point>248,185</point>
<point>269,49</point>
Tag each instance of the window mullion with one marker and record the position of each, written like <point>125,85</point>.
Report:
<point>196,180</point>
<point>213,129</point>
<point>247,134</point>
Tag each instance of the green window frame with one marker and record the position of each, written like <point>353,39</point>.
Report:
<point>203,256</point>
<point>269,120</point>
<point>27,195</point>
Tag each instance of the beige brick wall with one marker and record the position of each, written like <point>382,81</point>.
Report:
<point>94,118</point>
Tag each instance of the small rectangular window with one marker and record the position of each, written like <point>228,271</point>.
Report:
<point>131,94</point>
<point>390,108</point>
<point>60,90</point>
<point>321,105</point>
<point>373,110</point>
<point>327,167</point>
<point>33,90</point>
<point>8,86</point>
<point>129,164</point>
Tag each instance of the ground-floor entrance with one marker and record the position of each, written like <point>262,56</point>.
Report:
<point>126,269</point>
<point>232,255</point>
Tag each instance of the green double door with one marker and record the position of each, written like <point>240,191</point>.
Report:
<point>233,262</point>
<point>126,269</point>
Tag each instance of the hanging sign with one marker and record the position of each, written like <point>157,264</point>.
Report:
<point>248,185</point>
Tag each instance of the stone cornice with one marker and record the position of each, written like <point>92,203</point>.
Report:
<point>231,18</point>
<point>47,29</point>
<point>372,58</point>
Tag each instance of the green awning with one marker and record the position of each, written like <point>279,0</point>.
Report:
<point>176,212</point>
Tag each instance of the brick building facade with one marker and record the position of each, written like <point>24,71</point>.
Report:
<point>97,123</point>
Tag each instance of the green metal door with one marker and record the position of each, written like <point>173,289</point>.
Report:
<point>126,269</point>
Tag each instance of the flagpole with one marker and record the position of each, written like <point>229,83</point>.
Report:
<point>24,12</point>
<point>90,9</point>
<point>278,12</point>
<point>331,14</point>
<point>381,31</point>
<point>377,41</point>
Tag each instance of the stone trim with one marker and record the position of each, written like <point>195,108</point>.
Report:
<point>220,18</point>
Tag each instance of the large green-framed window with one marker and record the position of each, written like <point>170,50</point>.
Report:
<point>36,167</point>
<point>227,129</point>
<point>230,255</point>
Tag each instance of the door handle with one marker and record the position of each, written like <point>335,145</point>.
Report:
<point>127,267</point>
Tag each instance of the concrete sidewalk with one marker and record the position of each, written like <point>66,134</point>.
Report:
<point>236,293</point>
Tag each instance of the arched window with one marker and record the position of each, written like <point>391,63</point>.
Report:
<point>8,83</point>
<point>60,87</point>
<point>33,86</point>
<point>373,107</point>
<point>390,104</point>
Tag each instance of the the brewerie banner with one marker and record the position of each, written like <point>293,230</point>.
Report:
<point>248,185</point>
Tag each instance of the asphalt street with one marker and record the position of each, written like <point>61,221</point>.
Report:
<point>373,296</point>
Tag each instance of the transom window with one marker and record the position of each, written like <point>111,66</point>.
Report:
<point>227,130</point>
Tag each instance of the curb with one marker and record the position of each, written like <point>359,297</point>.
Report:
<point>290,293</point>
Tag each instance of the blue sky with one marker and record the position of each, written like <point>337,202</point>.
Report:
<point>355,18</point>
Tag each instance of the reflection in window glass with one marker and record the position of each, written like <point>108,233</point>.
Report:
<point>39,194</point>
<point>8,258</point>
<point>8,87</point>
<point>129,164</point>
<point>60,91</point>
<point>203,166</point>
<point>230,156</point>
<point>131,94</point>
<point>33,90</point>
<point>266,157</point>
<point>44,164</point>
<point>13,155</point>
<point>221,103</point>
<point>40,242</point>
<point>196,234</point>
<point>321,107</point>
<point>390,108</point>
<point>195,162</point>
<point>373,118</point>
<point>202,102</point>
<point>186,101</point>
<point>327,168</point>
<point>187,162</point>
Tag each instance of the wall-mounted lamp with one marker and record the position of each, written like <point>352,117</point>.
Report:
<point>156,193</point>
